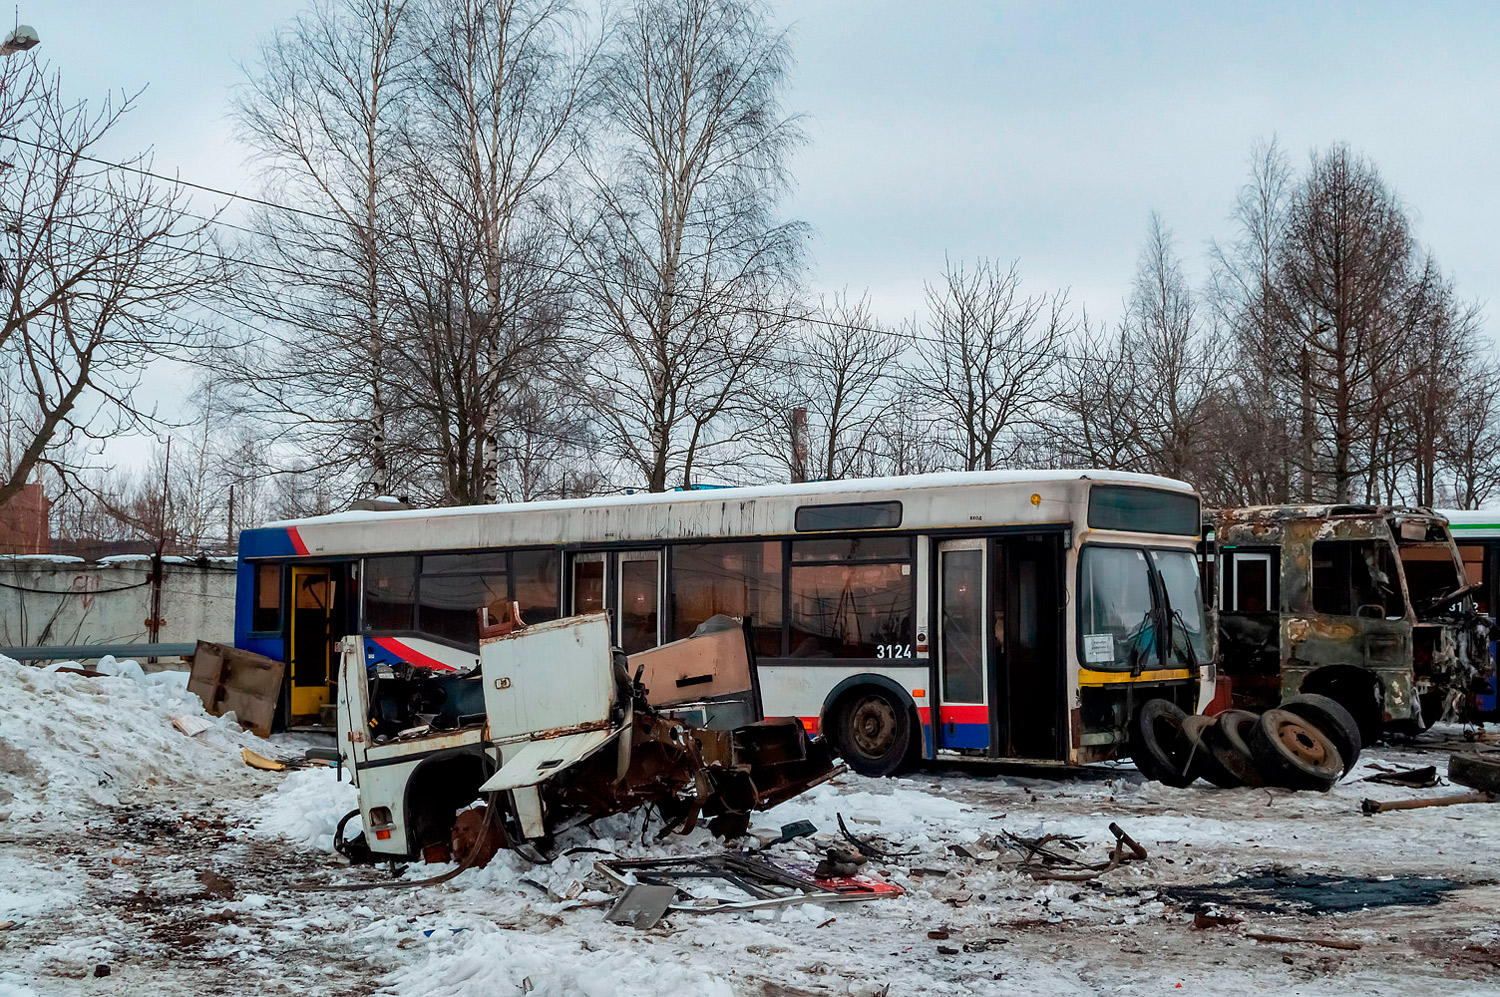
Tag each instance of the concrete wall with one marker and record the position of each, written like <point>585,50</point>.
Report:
<point>47,599</point>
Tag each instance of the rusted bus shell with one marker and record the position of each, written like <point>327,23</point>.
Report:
<point>1430,652</point>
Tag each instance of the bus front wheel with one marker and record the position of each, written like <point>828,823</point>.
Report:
<point>874,731</point>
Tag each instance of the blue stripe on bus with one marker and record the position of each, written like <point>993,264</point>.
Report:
<point>966,735</point>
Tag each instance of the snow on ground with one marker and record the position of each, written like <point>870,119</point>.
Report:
<point>68,742</point>
<point>164,858</point>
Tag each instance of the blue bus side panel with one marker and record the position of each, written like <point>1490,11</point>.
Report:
<point>257,543</point>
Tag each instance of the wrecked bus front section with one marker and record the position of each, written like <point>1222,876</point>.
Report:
<point>553,724</point>
<point>1366,604</point>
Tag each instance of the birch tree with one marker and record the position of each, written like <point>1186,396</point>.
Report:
<point>686,266</point>
<point>1175,359</point>
<point>499,84</point>
<point>324,112</point>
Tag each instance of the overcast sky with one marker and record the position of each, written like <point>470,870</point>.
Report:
<point>1045,133</point>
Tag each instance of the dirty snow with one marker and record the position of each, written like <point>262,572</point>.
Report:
<point>68,741</point>
<point>166,859</point>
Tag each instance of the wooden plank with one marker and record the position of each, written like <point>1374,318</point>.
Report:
<point>228,679</point>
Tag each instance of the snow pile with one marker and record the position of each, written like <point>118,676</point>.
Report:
<point>68,741</point>
<point>306,807</point>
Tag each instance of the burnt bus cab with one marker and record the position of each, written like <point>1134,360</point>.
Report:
<point>1369,605</point>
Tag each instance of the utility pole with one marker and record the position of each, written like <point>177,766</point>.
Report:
<point>1304,371</point>
<point>153,625</point>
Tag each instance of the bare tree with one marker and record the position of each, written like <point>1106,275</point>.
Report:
<point>98,273</point>
<point>686,267</point>
<point>549,445</point>
<point>1343,285</point>
<point>837,386</point>
<point>1098,397</point>
<point>1469,449</point>
<point>324,113</point>
<point>499,84</point>
<point>907,441</point>
<point>1259,410</point>
<point>992,356</point>
<point>1175,357</point>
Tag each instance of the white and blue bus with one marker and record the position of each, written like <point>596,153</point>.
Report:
<point>984,615</point>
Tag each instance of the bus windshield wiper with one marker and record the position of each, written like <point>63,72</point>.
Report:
<point>1187,639</point>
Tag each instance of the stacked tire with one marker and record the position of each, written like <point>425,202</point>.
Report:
<point>1310,742</point>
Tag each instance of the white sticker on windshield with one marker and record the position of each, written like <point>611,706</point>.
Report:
<point>1098,647</point>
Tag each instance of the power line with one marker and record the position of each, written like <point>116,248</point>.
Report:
<point>557,270</point>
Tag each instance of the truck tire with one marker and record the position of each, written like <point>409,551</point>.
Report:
<point>1204,765</point>
<point>873,731</point>
<point>1330,717</point>
<point>1475,771</point>
<point>1293,753</point>
<point>1357,691</point>
<point>1227,742</point>
<point>1157,744</point>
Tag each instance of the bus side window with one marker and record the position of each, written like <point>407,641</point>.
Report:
<point>736,579</point>
<point>266,617</point>
<point>851,598</point>
<point>390,593</point>
<point>533,578</point>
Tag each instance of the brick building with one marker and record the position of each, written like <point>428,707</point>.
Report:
<point>24,526</point>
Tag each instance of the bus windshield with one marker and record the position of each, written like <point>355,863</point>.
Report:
<point>1121,624</point>
<point>1179,577</point>
<point>1116,615</point>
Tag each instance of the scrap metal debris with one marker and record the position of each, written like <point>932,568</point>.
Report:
<point>641,906</point>
<point>580,732</point>
<point>1385,806</point>
<point>1420,778</point>
<point>761,881</point>
<point>1041,858</point>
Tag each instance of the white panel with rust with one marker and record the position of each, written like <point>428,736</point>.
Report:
<point>549,679</point>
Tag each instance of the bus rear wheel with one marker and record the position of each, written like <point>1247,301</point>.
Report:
<point>874,731</point>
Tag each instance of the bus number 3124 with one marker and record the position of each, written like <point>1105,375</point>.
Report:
<point>892,650</point>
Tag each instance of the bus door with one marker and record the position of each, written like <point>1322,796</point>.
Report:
<point>639,607</point>
<point>1033,671</point>
<point>311,639</point>
<point>966,645</point>
<point>1000,673</point>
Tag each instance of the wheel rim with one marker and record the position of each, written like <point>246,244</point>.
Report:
<point>872,726</point>
<point>1301,744</point>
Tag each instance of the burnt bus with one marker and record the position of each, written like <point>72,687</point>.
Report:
<point>1367,604</point>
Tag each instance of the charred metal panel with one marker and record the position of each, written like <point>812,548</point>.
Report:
<point>1426,645</point>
